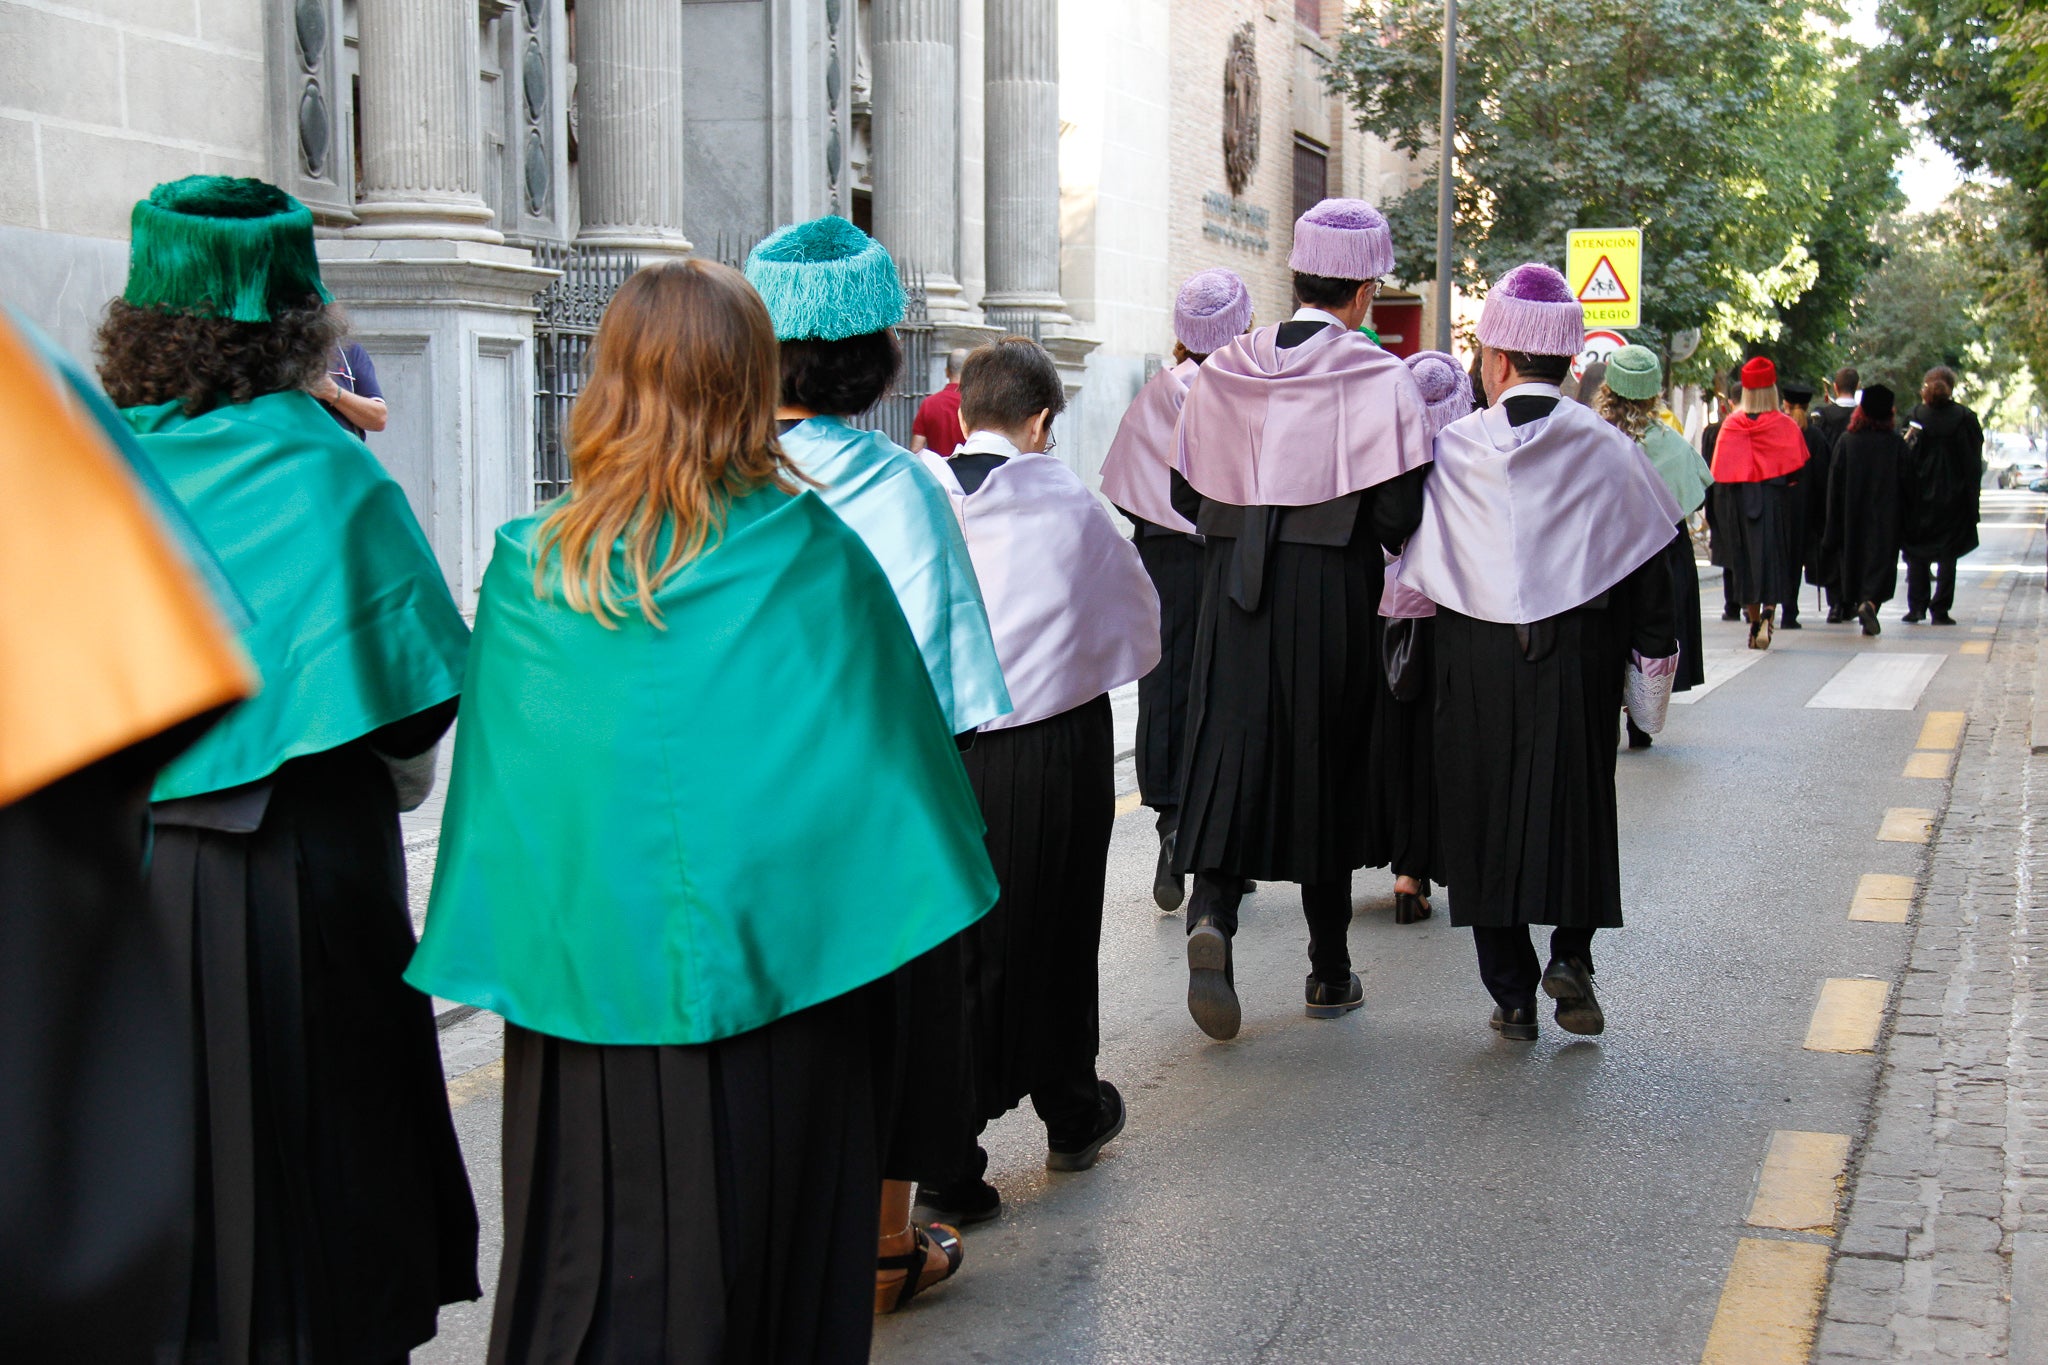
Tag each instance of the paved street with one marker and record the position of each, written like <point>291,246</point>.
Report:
<point>1401,1186</point>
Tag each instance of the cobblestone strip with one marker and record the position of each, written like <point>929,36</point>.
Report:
<point>1955,1165</point>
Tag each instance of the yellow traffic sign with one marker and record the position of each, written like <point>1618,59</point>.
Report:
<point>1605,269</point>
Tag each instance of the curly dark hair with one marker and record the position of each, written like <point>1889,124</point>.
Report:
<point>840,378</point>
<point>148,356</point>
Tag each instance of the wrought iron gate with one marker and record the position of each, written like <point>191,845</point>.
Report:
<point>569,310</point>
<point>897,411</point>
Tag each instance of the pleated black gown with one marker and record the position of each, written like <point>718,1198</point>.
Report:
<point>1685,603</point>
<point>1174,561</point>
<point>1525,750</point>
<point>1762,529</point>
<point>334,1211</point>
<point>1404,764</point>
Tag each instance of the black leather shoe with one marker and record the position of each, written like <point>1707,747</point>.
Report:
<point>1334,1000</point>
<point>1569,982</point>
<point>1731,614</point>
<point>1942,618</point>
<point>1866,616</point>
<point>1212,992</point>
<point>1789,623</point>
<point>1078,1152</point>
<point>1835,617</point>
<point>1913,618</point>
<point>1516,1025</point>
<point>964,1204</point>
<point>1637,739</point>
<point>1169,888</point>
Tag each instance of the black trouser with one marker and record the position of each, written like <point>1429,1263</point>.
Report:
<point>1507,960</point>
<point>1326,906</point>
<point>1168,822</point>
<point>1918,600</point>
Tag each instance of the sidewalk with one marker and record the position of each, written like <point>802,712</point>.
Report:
<point>1943,1251</point>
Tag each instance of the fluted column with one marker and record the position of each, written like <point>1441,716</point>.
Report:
<point>1021,73</point>
<point>419,122</point>
<point>915,154</point>
<point>630,132</point>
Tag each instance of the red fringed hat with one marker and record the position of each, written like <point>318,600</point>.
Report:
<point>1759,373</point>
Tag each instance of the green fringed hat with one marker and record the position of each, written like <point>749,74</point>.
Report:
<point>222,247</point>
<point>826,280</point>
<point>1633,372</point>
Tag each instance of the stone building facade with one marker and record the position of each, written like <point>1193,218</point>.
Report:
<point>1055,166</point>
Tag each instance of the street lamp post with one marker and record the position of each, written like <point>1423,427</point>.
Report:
<point>1447,129</point>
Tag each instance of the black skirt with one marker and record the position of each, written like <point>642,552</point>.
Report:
<point>1175,563</point>
<point>1760,530</point>
<point>924,1096</point>
<point>691,1205</point>
<point>1048,793</point>
<point>1278,783</point>
<point>1404,763</point>
<point>1685,599</point>
<point>1525,771</point>
<point>334,1211</point>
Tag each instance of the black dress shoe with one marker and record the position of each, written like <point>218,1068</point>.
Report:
<point>1731,614</point>
<point>969,1202</point>
<point>1637,738</point>
<point>1835,617</point>
<point>1169,888</point>
<point>1790,623</point>
<point>1077,1152</point>
<point>1866,616</point>
<point>1942,618</point>
<point>1212,990</point>
<point>1569,982</point>
<point>1333,999</point>
<point>1515,1025</point>
<point>1913,618</point>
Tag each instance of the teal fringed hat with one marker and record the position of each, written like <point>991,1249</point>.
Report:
<point>221,247</point>
<point>826,280</point>
<point>1633,372</point>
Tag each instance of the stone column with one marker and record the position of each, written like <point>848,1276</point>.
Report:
<point>915,50</point>
<point>1022,161</point>
<point>630,131</point>
<point>419,122</point>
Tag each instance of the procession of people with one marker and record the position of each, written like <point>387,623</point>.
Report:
<point>782,797</point>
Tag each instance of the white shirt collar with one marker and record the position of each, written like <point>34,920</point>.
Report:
<point>988,443</point>
<point>1532,389</point>
<point>1317,315</point>
<point>1848,402</point>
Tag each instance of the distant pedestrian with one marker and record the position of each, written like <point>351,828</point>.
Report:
<point>937,425</point>
<point>1824,426</point>
<point>349,392</point>
<point>1872,470</point>
<point>1757,458</point>
<point>1212,308</point>
<point>1075,616</point>
<point>1947,465</point>
<point>1720,408</point>
<point>1832,416</point>
<point>1809,502</point>
<point>1542,542</point>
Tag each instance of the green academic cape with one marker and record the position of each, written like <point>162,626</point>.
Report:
<point>1680,467</point>
<point>673,835</point>
<point>352,624</point>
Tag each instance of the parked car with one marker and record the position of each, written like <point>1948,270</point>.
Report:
<point>2025,472</point>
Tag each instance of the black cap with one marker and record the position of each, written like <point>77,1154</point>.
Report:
<point>1877,401</point>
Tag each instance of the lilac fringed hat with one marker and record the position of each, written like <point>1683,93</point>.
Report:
<point>1531,309</point>
<point>1446,388</point>
<point>1344,239</point>
<point>1212,308</point>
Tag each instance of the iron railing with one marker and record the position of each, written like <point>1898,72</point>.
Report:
<point>567,315</point>
<point>897,411</point>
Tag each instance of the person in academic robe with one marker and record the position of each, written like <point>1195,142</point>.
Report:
<point>1629,401</point>
<point>334,1211</point>
<point>705,804</point>
<point>1542,542</point>
<point>834,296</point>
<point>120,653</point>
<point>1075,616</point>
<point>1300,454</point>
<point>1757,459</point>
<point>1873,474</point>
<point>1947,468</point>
<point>1717,543</point>
<point>1212,308</point>
<point>1403,744</point>
<point>1809,501</point>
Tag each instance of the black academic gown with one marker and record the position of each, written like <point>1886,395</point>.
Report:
<point>1947,475</point>
<point>1174,561</point>
<point>1525,748</point>
<point>1871,469</point>
<point>1277,782</point>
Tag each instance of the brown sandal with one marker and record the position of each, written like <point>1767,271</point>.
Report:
<point>914,1265</point>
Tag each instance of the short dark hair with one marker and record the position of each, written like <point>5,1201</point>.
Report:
<point>840,378</point>
<point>1325,291</point>
<point>1847,380</point>
<point>1542,369</point>
<point>1008,382</point>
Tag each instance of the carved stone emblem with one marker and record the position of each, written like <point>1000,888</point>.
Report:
<point>1241,108</point>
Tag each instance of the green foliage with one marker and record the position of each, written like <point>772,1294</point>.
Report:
<point>1736,132</point>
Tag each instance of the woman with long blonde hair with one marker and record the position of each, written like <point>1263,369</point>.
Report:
<point>705,803</point>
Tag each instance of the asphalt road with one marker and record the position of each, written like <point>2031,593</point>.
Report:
<point>1400,1185</point>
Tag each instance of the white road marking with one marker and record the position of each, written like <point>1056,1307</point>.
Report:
<point>1879,682</point>
<point>1721,665</point>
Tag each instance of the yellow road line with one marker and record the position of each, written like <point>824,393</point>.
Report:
<point>1800,1182</point>
<point>1126,803</point>
<point>1849,1015</point>
<point>1770,1304</point>
<point>1882,898</point>
<point>1993,579</point>
<point>476,1083</point>
<point>1934,765</point>
<point>1941,730</point>
<point>1906,825</point>
<point>1976,647</point>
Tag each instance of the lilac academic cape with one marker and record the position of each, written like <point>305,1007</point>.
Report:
<point>1073,610</point>
<point>1520,524</point>
<point>1137,474</point>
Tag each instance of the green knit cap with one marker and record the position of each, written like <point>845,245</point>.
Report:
<point>826,280</point>
<point>1633,372</point>
<point>222,247</point>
